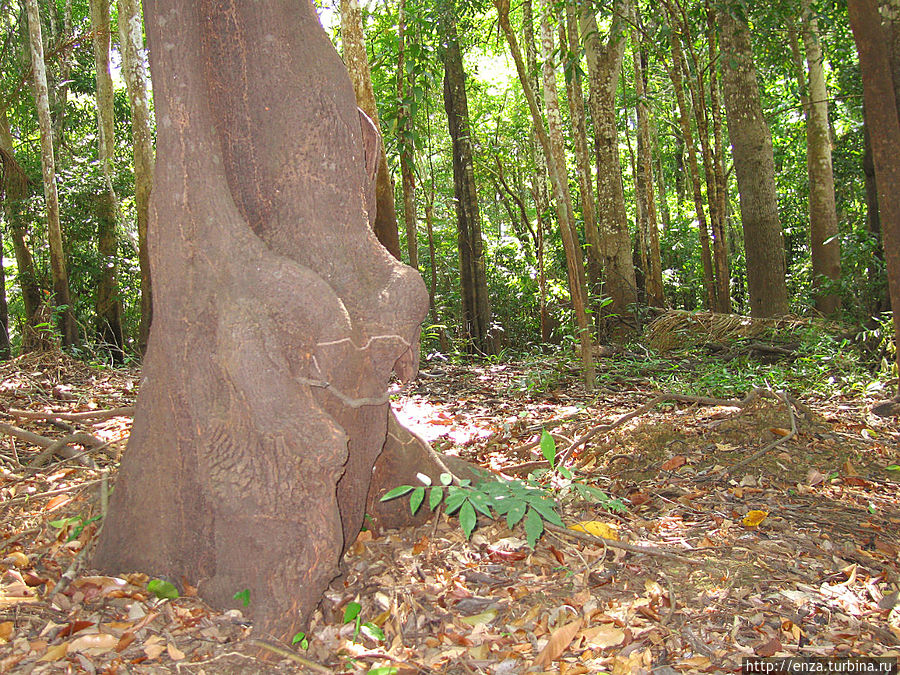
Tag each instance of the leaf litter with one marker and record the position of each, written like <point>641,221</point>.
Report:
<point>794,553</point>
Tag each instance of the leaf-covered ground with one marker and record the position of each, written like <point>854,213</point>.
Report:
<point>701,583</point>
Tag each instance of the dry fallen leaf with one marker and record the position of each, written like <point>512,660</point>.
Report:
<point>174,653</point>
<point>604,636</point>
<point>754,518</point>
<point>674,463</point>
<point>596,528</point>
<point>55,652</point>
<point>6,630</point>
<point>559,641</point>
<point>16,559</point>
<point>95,643</point>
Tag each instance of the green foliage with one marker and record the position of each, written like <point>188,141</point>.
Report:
<point>164,590</point>
<point>352,614</point>
<point>300,639</point>
<point>526,502</point>
<point>77,523</point>
<point>243,596</point>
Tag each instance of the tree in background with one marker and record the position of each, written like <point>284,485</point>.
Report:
<point>879,60</point>
<point>476,308</point>
<point>61,300</point>
<point>134,71</point>
<point>754,164</point>
<point>385,221</point>
<point>109,303</point>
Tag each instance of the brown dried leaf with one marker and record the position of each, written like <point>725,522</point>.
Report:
<point>559,641</point>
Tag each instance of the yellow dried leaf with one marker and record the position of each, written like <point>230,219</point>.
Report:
<point>56,652</point>
<point>479,619</point>
<point>16,559</point>
<point>596,528</point>
<point>754,518</point>
<point>6,630</point>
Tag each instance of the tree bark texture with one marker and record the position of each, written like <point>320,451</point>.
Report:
<point>384,220</point>
<point>569,37</point>
<point>719,226</point>
<point>823,225</point>
<point>551,144</point>
<point>278,317</point>
<point>405,84</point>
<point>675,74</point>
<point>134,71</point>
<point>62,300</point>
<point>604,61</point>
<point>649,226</point>
<point>877,54</point>
<point>108,302</point>
<point>476,308</point>
<point>754,164</point>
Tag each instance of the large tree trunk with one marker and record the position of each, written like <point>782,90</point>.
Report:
<point>109,303</point>
<point>881,93</point>
<point>823,226</point>
<point>604,61</point>
<point>552,145</point>
<point>476,308</point>
<point>278,317</point>
<point>62,300</point>
<point>754,164</point>
<point>134,71</point>
<point>384,222</point>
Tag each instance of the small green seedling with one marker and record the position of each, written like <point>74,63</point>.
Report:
<point>369,629</point>
<point>300,639</point>
<point>164,590</point>
<point>243,596</point>
<point>77,523</point>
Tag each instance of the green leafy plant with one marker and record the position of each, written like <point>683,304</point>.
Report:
<point>77,523</point>
<point>300,639</point>
<point>367,628</point>
<point>164,590</point>
<point>526,502</point>
<point>243,596</point>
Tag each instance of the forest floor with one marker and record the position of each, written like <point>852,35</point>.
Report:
<point>693,582</point>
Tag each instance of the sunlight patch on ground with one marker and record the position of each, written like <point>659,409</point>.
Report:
<point>432,422</point>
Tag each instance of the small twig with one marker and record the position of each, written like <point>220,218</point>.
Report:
<point>612,543</point>
<point>125,411</point>
<point>288,654</point>
<point>69,574</point>
<point>774,444</point>
<point>50,493</point>
<point>61,446</point>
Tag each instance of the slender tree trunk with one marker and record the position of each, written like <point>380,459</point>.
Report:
<point>575,95</point>
<point>405,83</point>
<point>675,70</point>
<point>720,243</point>
<point>384,224</point>
<point>62,300</point>
<point>539,177</point>
<point>877,56</point>
<point>751,142</point>
<point>823,226</point>
<point>109,302</point>
<point>476,307</point>
<point>648,224</point>
<point>551,142</point>
<point>660,178</point>
<point>134,70</point>
<point>604,61</point>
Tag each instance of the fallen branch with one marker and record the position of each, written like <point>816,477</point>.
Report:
<point>612,543</point>
<point>783,439</point>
